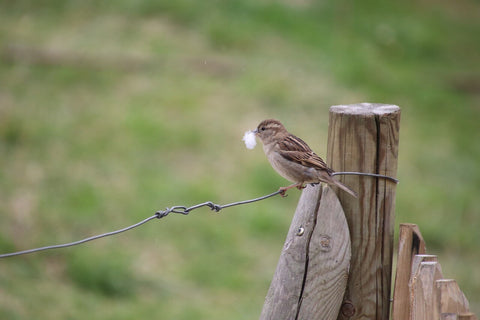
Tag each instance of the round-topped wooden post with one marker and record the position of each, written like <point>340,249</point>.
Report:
<point>364,138</point>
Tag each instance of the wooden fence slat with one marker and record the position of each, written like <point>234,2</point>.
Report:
<point>451,299</point>
<point>312,272</point>
<point>417,261</point>
<point>423,305</point>
<point>286,286</point>
<point>328,261</point>
<point>429,295</point>
<point>410,243</point>
<point>364,138</point>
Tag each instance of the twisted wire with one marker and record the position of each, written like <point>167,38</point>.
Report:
<point>179,210</point>
<point>158,215</point>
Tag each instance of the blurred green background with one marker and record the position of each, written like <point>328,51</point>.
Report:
<point>110,111</point>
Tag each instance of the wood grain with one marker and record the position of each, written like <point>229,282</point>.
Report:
<point>364,138</point>
<point>311,275</point>
<point>286,287</point>
<point>410,243</point>
<point>424,302</point>
<point>450,298</point>
<point>328,261</point>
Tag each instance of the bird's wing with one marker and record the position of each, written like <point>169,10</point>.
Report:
<point>295,149</point>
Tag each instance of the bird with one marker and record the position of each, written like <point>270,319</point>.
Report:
<point>293,159</point>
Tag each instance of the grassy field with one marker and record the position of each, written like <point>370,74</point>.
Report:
<point>109,113</point>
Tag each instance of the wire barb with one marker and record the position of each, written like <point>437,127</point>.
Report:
<point>158,215</point>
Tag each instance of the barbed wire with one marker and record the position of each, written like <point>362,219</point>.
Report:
<point>158,215</point>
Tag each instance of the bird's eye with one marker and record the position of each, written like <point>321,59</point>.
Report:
<point>262,128</point>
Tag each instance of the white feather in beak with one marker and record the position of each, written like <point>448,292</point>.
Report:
<point>249,138</point>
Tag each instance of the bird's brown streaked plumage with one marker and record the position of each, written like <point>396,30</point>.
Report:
<point>295,149</point>
<point>293,159</point>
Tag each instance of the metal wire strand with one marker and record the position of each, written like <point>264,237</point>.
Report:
<point>365,174</point>
<point>70,244</point>
<point>180,210</point>
<point>158,215</point>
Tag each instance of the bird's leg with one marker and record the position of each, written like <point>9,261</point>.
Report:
<point>282,190</point>
<point>301,186</point>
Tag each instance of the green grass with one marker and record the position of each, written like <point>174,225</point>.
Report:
<point>109,113</point>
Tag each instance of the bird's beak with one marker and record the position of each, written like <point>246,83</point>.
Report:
<point>255,131</point>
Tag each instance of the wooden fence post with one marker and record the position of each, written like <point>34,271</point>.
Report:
<point>311,274</point>
<point>364,138</point>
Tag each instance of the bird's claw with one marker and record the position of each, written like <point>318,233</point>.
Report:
<point>282,191</point>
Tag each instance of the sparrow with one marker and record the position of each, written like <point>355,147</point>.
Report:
<point>293,159</point>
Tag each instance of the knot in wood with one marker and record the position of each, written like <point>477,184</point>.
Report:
<point>348,309</point>
<point>325,243</point>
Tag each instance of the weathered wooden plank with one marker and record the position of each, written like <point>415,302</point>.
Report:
<point>364,138</point>
<point>410,243</point>
<point>286,287</point>
<point>417,261</point>
<point>424,302</point>
<point>450,298</point>
<point>312,272</point>
<point>328,261</point>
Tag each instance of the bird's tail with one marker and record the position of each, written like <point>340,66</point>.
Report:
<point>344,188</point>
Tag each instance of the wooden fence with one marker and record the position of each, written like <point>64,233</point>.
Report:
<point>421,292</point>
<point>336,262</point>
